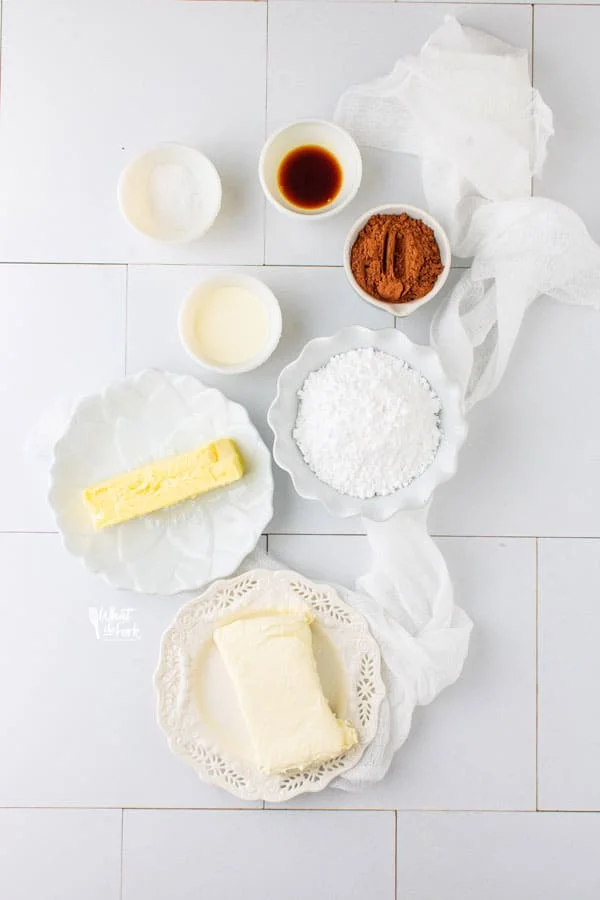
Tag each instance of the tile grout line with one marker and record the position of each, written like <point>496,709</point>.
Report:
<point>28,532</point>
<point>471,811</point>
<point>532,180</point>
<point>265,210</point>
<point>537,671</point>
<point>126,321</point>
<point>362,534</point>
<point>444,535</point>
<point>90,264</point>
<point>532,44</point>
<point>1,45</point>
<point>121,868</point>
<point>205,264</point>
<point>395,854</point>
<point>451,810</point>
<point>518,3</point>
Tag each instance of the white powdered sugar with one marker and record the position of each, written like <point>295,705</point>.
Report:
<point>368,423</point>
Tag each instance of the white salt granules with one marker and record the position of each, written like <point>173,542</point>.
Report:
<point>174,196</point>
<point>367,423</point>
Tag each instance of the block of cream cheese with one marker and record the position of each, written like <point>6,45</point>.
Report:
<point>271,663</point>
<point>164,483</point>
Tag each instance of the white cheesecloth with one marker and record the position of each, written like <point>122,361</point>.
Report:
<point>466,107</point>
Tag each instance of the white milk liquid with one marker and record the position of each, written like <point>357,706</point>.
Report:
<point>231,326</point>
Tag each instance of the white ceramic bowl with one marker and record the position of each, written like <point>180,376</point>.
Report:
<point>298,134</point>
<point>189,307</point>
<point>400,309</point>
<point>284,411</point>
<point>170,193</point>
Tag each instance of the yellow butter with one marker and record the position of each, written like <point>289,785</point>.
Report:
<point>164,483</point>
<point>271,663</point>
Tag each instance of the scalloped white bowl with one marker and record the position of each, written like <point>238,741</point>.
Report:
<point>284,410</point>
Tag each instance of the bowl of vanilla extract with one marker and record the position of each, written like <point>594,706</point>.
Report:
<point>310,168</point>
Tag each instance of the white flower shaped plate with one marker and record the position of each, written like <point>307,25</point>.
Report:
<point>284,411</point>
<point>149,417</point>
<point>197,706</point>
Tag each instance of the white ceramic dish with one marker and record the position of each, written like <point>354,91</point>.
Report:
<point>400,309</point>
<point>171,193</point>
<point>197,706</point>
<point>284,410</point>
<point>149,417</point>
<point>194,298</point>
<point>305,132</point>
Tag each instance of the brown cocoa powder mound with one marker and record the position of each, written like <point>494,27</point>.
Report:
<point>396,258</point>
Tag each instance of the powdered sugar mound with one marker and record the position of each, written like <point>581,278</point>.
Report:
<point>368,423</point>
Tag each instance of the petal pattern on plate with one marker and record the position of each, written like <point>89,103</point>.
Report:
<point>138,538</point>
<point>192,432</point>
<point>176,549</point>
<point>134,444</point>
<point>190,530</point>
<point>158,573</point>
<point>165,410</point>
<point>89,452</point>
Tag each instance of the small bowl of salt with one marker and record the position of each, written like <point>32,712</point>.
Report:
<point>367,422</point>
<point>170,193</point>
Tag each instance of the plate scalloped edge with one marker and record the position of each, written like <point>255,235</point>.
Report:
<point>179,720</point>
<point>262,511</point>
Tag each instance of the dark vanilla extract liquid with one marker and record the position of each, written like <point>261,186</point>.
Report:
<point>309,177</point>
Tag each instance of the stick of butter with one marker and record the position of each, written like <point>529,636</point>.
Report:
<point>270,660</point>
<point>164,483</point>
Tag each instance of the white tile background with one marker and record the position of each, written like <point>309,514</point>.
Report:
<point>66,854</point>
<point>497,791</point>
<point>295,855</point>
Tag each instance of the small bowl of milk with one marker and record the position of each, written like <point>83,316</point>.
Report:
<point>230,323</point>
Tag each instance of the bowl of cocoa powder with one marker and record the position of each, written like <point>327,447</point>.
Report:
<point>397,258</point>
